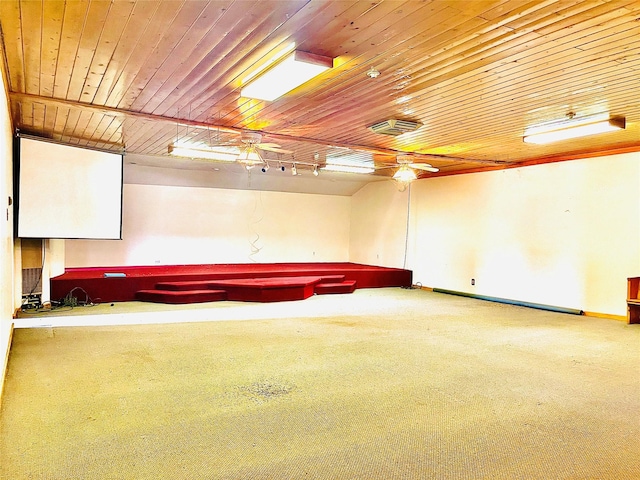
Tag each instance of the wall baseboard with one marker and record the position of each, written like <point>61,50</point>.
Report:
<point>539,306</point>
<point>609,316</point>
<point>6,362</point>
<point>620,318</point>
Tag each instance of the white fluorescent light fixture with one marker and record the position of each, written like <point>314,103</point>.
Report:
<point>207,153</point>
<point>347,169</point>
<point>573,129</point>
<point>292,71</point>
<point>345,160</point>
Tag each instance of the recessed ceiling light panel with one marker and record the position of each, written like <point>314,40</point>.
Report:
<point>292,71</point>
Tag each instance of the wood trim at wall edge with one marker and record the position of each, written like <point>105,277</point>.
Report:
<point>609,316</point>
<point>6,363</point>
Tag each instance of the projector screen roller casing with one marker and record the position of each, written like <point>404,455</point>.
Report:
<point>68,192</point>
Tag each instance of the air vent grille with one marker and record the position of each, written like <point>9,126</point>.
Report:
<point>394,127</point>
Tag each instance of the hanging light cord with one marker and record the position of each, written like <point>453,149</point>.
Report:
<point>255,247</point>
<point>406,235</point>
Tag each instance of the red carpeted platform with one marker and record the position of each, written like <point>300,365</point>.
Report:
<point>244,282</point>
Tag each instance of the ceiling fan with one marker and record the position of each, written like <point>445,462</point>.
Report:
<point>406,161</point>
<point>248,150</point>
<point>251,150</point>
<point>406,173</point>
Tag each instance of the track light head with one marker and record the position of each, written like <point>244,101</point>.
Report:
<point>315,170</point>
<point>265,168</point>
<point>294,170</point>
<point>281,167</point>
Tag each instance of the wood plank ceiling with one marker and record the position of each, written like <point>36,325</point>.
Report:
<point>137,75</point>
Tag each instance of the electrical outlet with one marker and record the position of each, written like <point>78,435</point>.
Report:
<point>473,281</point>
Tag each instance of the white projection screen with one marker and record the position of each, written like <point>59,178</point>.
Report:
<point>68,192</point>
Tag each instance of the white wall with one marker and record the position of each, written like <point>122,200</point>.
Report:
<point>564,234</point>
<point>379,225</point>
<point>6,230</point>
<point>164,225</point>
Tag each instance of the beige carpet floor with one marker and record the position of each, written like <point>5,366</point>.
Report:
<point>380,384</point>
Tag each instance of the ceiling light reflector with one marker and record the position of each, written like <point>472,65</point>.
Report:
<point>294,70</point>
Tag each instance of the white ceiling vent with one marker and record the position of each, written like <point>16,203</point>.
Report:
<point>394,127</point>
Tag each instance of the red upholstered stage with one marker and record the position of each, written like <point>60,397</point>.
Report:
<point>258,282</point>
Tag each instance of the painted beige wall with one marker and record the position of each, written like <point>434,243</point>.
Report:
<point>6,229</point>
<point>165,225</point>
<point>379,225</point>
<point>564,234</point>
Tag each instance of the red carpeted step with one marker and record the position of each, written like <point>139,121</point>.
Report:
<point>348,286</point>
<point>184,285</point>
<point>268,289</point>
<point>188,296</point>
<point>205,284</point>
<point>332,278</point>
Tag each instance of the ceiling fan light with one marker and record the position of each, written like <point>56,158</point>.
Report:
<point>405,174</point>
<point>249,157</point>
<point>403,177</point>
<point>292,71</point>
<point>567,130</point>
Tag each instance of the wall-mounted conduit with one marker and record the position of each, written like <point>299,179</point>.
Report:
<point>519,303</point>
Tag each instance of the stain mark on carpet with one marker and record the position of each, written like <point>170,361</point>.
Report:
<point>137,356</point>
<point>342,323</point>
<point>263,391</point>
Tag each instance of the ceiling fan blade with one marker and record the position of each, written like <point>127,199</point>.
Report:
<point>267,147</point>
<point>225,144</point>
<point>382,167</point>
<point>424,166</point>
